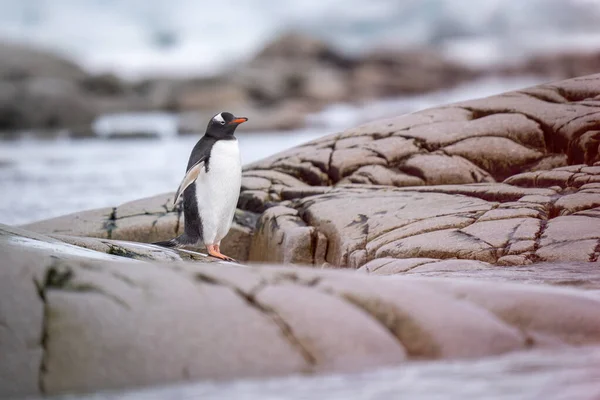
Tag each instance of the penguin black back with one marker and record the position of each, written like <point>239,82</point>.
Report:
<point>220,128</point>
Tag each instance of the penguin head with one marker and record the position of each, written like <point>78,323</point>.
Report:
<point>222,125</point>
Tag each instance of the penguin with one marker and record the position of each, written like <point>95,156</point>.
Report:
<point>210,187</point>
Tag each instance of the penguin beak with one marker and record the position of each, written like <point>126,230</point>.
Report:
<point>238,120</point>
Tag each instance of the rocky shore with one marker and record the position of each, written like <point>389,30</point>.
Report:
<point>456,233</point>
<point>292,77</point>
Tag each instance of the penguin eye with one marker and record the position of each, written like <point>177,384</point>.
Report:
<point>222,122</point>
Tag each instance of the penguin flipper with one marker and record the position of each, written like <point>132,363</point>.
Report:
<point>190,177</point>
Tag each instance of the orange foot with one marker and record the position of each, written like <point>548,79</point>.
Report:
<point>214,250</point>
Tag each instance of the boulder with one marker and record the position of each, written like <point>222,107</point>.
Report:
<point>483,180</point>
<point>148,220</point>
<point>19,62</point>
<point>499,180</point>
<point>458,233</point>
<point>44,103</point>
<point>93,319</point>
<point>39,90</point>
<point>387,72</point>
<point>557,66</point>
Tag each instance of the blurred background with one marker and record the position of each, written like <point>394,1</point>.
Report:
<point>101,101</point>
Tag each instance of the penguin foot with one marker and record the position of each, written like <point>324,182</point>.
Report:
<point>213,250</point>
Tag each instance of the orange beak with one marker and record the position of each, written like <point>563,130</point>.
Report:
<point>238,120</point>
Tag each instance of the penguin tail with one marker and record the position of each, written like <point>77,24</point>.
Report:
<point>168,243</point>
<point>179,241</point>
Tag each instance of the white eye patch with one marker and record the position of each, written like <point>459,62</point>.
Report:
<point>219,118</point>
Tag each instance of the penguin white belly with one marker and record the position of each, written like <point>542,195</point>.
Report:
<point>218,189</point>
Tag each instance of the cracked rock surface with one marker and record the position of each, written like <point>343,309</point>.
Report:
<point>465,231</point>
<point>148,220</point>
<point>90,320</point>
<point>512,179</point>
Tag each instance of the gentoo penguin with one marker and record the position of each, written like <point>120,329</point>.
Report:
<point>211,186</point>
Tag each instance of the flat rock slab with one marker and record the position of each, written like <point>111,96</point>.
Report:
<point>583,275</point>
<point>148,220</point>
<point>93,320</point>
<point>558,374</point>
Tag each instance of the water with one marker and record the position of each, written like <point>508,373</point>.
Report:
<point>44,179</point>
<point>138,37</point>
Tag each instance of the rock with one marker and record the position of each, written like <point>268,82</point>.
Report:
<point>564,373</point>
<point>284,237</point>
<point>286,115</point>
<point>456,156</point>
<point>148,220</point>
<point>47,94</point>
<point>558,66</point>
<point>43,91</point>
<point>295,46</point>
<point>94,223</point>
<point>44,103</point>
<point>18,62</point>
<point>491,195</point>
<point>583,275</point>
<point>347,322</point>
<point>210,95</point>
<point>385,73</point>
<point>104,85</point>
<point>486,223</point>
<point>295,67</point>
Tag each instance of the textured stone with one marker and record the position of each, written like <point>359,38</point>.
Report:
<point>146,220</point>
<point>437,169</point>
<point>489,222</point>
<point>134,317</point>
<point>103,316</point>
<point>489,153</point>
<point>94,223</point>
<point>21,323</point>
<point>319,314</point>
<point>283,237</point>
